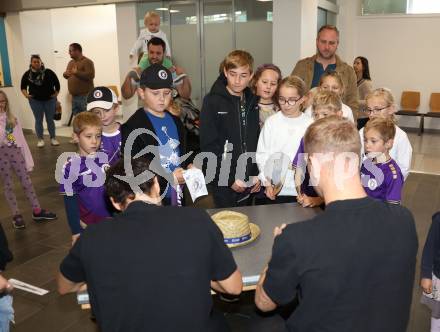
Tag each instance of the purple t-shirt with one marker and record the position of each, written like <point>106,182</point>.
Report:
<point>300,162</point>
<point>383,181</point>
<point>85,177</point>
<point>111,146</point>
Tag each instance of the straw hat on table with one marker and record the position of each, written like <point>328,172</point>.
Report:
<point>236,228</point>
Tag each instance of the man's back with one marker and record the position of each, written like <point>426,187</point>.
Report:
<point>149,270</point>
<point>354,265</point>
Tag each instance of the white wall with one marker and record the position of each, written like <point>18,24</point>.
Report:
<point>401,50</point>
<point>294,32</point>
<point>49,33</point>
<point>127,35</point>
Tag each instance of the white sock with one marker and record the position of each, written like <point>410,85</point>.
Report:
<point>435,324</point>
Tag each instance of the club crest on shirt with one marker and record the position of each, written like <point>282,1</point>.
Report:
<point>372,184</point>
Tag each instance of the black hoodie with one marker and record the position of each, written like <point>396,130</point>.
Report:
<point>220,124</point>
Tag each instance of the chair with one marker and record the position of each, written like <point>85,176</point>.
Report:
<point>409,103</point>
<point>434,109</point>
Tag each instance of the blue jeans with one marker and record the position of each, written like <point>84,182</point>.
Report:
<point>6,313</point>
<point>79,104</point>
<point>40,108</point>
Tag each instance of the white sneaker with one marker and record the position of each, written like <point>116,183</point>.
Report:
<point>40,143</point>
<point>54,142</point>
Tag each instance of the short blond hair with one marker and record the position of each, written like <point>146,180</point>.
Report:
<point>238,58</point>
<point>385,127</point>
<point>332,134</point>
<point>387,96</point>
<point>84,120</point>
<point>150,14</point>
<point>327,99</point>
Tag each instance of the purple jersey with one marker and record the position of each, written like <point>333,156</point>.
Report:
<point>85,177</point>
<point>300,162</point>
<point>111,146</point>
<point>382,181</point>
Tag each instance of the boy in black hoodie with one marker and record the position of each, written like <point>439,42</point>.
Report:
<point>229,128</point>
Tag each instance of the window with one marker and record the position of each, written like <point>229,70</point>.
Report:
<point>383,7</point>
<point>5,73</point>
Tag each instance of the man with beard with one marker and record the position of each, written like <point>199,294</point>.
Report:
<point>80,73</point>
<point>310,69</point>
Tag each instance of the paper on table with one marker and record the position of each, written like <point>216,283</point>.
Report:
<point>195,181</point>
<point>27,287</point>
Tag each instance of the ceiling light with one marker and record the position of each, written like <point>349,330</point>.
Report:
<point>174,11</point>
<point>162,9</point>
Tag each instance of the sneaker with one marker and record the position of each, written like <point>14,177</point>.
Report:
<point>43,215</point>
<point>40,143</point>
<point>18,221</point>
<point>54,142</point>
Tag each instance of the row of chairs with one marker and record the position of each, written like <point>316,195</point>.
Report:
<point>410,102</point>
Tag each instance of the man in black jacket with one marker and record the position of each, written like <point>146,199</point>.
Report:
<point>229,128</point>
<point>41,86</point>
<point>154,132</point>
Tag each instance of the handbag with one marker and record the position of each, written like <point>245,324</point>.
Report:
<point>58,111</point>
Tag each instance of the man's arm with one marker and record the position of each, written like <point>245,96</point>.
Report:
<point>128,89</point>
<point>232,285</point>
<point>66,286</point>
<point>351,96</point>
<point>184,89</point>
<point>262,300</point>
<point>68,71</point>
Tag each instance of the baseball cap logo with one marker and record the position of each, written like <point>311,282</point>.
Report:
<point>163,74</point>
<point>97,94</point>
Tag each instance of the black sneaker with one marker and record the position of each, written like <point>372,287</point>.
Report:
<point>18,222</point>
<point>44,215</point>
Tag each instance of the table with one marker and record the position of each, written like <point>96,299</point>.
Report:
<point>252,258</point>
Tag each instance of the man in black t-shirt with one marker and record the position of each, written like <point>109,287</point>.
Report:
<point>152,267</point>
<point>352,265</point>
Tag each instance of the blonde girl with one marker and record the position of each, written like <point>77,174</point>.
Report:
<point>332,81</point>
<point>265,84</point>
<point>380,104</point>
<point>16,156</point>
<point>279,140</point>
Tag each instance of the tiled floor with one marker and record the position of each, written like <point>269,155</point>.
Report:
<point>39,249</point>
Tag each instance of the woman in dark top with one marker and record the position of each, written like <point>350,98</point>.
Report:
<point>41,87</point>
<point>365,86</point>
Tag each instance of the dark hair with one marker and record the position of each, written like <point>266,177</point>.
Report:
<point>35,56</point>
<point>157,42</point>
<point>76,46</point>
<point>119,189</point>
<point>365,68</point>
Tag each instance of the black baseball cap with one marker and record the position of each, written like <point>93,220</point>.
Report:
<point>101,97</point>
<point>156,77</point>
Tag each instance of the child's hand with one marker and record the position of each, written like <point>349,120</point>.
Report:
<point>270,192</point>
<point>178,176</point>
<point>311,201</point>
<point>238,186</point>
<point>426,285</point>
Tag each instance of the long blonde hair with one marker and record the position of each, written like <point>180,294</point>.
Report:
<point>10,118</point>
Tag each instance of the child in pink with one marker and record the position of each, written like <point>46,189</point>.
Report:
<point>15,155</point>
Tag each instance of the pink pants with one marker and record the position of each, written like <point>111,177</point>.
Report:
<point>11,158</point>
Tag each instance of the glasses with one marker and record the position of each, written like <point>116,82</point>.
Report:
<point>376,110</point>
<point>291,102</point>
